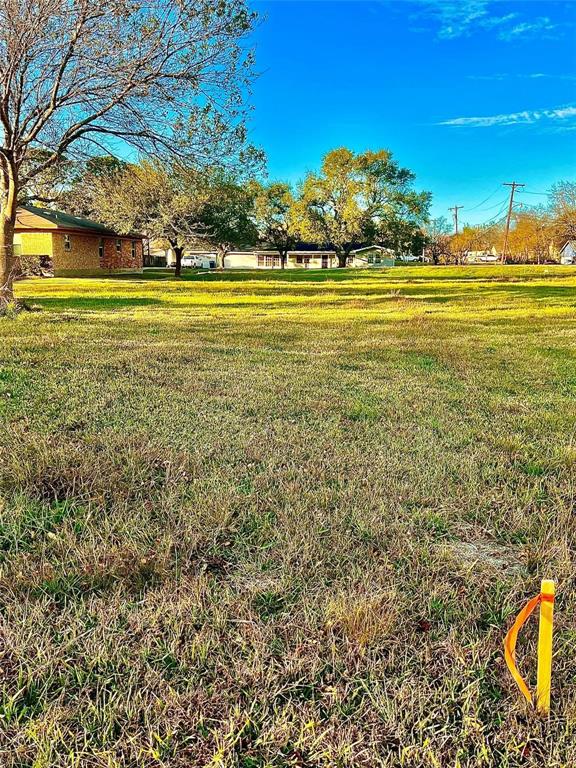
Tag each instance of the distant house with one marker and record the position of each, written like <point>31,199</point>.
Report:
<point>568,253</point>
<point>304,256</point>
<point>486,256</point>
<point>65,244</point>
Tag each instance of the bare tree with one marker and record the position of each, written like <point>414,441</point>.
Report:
<point>564,210</point>
<point>437,245</point>
<point>87,76</point>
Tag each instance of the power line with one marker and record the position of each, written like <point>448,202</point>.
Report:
<point>499,204</point>
<point>529,192</point>
<point>514,185</point>
<point>498,216</point>
<point>490,196</point>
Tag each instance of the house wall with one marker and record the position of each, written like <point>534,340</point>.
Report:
<point>34,243</point>
<point>241,260</point>
<point>568,254</point>
<point>123,260</point>
<point>42,233</point>
<point>249,260</point>
<point>82,258</point>
<point>314,261</point>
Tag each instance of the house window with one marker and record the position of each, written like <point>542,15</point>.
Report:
<point>370,259</point>
<point>133,249</point>
<point>101,248</point>
<point>67,243</point>
<point>118,245</point>
<point>261,262</point>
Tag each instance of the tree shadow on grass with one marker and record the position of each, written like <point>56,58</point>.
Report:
<point>414,274</point>
<point>94,303</point>
<point>272,275</point>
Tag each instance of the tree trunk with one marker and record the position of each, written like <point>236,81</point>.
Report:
<point>222,251</point>
<point>8,266</point>
<point>283,257</point>
<point>178,251</point>
<point>342,259</point>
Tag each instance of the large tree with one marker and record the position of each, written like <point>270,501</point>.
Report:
<point>228,213</point>
<point>159,198</point>
<point>475,238</point>
<point>276,217</point>
<point>563,207</point>
<point>531,236</point>
<point>87,76</point>
<point>360,197</point>
<point>82,195</point>
<point>437,239</point>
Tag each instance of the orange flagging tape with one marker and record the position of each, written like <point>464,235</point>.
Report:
<point>512,636</point>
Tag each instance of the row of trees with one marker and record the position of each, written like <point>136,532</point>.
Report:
<point>353,199</point>
<point>536,233</point>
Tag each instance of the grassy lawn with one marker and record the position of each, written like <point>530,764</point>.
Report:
<point>268,519</point>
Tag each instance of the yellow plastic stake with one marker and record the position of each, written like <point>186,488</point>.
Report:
<point>543,682</point>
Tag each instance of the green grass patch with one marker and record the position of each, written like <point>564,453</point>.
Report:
<point>285,518</point>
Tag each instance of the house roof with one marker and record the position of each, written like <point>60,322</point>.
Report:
<point>372,248</point>
<point>305,247</point>
<point>571,243</point>
<point>33,217</point>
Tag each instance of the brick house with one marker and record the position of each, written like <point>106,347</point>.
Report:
<point>66,244</point>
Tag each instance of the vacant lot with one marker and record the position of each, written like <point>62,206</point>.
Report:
<point>285,520</point>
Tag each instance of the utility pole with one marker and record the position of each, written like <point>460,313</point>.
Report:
<point>513,187</point>
<point>455,216</point>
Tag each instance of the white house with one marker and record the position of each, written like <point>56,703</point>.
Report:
<point>568,253</point>
<point>487,256</point>
<point>302,258</point>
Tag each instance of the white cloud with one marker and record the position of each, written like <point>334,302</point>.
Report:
<point>526,117</point>
<point>540,26</point>
<point>463,18</point>
<point>524,76</point>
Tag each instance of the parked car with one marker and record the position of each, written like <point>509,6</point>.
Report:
<point>199,262</point>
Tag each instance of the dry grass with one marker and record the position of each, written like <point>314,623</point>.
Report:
<point>266,520</point>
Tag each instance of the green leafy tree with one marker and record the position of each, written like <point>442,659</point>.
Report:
<point>80,197</point>
<point>155,197</point>
<point>228,213</point>
<point>276,217</point>
<point>359,197</point>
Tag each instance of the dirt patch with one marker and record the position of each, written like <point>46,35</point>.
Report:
<point>485,553</point>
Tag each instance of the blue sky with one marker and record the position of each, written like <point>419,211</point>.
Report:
<point>466,93</point>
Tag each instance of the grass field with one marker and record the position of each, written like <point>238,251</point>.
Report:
<point>268,520</point>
